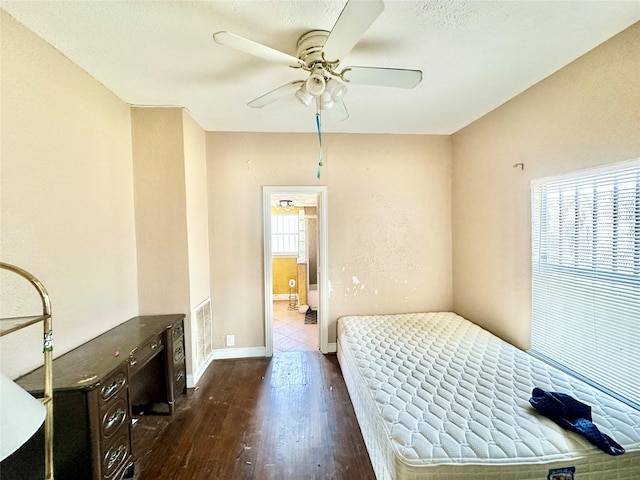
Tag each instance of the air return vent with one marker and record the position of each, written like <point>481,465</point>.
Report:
<point>204,332</point>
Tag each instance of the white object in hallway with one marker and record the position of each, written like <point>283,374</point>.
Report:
<point>312,297</point>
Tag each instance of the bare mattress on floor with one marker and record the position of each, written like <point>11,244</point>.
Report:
<point>438,397</point>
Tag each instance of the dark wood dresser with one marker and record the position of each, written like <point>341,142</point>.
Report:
<point>135,368</point>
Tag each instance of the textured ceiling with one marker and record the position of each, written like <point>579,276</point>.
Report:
<point>475,55</point>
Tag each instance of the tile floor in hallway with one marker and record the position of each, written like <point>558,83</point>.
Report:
<point>290,334</point>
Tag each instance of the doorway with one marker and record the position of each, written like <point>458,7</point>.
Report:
<point>305,197</point>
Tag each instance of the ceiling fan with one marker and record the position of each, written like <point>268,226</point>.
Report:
<point>320,53</point>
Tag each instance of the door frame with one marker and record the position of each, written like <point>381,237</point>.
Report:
<point>323,271</point>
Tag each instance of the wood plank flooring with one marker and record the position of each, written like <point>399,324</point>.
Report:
<point>284,418</point>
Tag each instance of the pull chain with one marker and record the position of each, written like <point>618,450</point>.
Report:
<point>319,139</point>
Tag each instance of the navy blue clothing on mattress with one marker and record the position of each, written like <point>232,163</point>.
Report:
<point>573,415</point>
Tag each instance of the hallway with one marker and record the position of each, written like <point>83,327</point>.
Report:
<point>290,334</point>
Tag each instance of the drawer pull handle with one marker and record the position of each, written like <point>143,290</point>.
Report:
<point>115,385</point>
<point>154,345</point>
<point>179,376</point>
<point>133,361</point>
<point>116,418</point>
<point>178,355</point>
<point>114,457</point>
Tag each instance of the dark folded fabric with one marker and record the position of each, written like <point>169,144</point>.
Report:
<point>573,415</point>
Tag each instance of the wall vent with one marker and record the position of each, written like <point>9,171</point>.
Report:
<point>204,332</point>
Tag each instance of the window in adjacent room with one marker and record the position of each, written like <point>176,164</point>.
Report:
<point>284,234</point>
<point>586,276</point>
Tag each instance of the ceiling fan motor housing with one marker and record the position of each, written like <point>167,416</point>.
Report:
<point>310,48</point>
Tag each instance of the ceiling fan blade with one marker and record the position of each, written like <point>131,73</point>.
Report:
<point>257,49</point>
<point>355,19</point>
<point>338,113</point>
<point>383,77</point>
<point>276,94</point>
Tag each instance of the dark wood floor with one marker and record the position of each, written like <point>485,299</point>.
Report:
<point>289,417</point>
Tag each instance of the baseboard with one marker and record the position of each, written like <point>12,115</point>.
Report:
<point>332,347</point>
<point>246,352</point>
<point>193,379</point>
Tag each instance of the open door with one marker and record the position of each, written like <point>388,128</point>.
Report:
<point>269,194</point>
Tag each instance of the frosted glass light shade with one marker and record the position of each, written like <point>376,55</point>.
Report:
<point>336,89</point>
<point>315,84</point>
<point>326,102</point>
<point>20,416</point>
<point>304,97</point>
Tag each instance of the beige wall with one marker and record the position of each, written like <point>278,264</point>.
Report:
<point>586,114</point>
<point>195,160</point>
<point>388,214</point>
<point>160,204</point>
<point>171,216</point>
<point>66,196</point>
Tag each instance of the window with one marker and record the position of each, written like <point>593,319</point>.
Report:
<point>586,276</point>
<point>284,234</point>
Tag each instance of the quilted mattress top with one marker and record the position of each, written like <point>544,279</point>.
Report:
<point>451,392</point>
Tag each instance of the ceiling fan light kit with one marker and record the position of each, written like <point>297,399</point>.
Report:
<point>326,102</point>
<point>320,53</point>
<point>336,89</point>
<point>316,83</point>
<point>286,204</point>
<point>304,96</point>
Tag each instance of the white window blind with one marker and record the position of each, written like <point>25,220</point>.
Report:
<point>586,276</point>
<point>284,234</point>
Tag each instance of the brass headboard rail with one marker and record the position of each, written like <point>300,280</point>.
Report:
<point>47,348</point>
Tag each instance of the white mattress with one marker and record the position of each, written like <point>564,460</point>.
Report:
<point>438,397</point>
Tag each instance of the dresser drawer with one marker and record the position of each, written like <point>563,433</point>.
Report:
<point>113,385</point>
<point>114,414</point>
<point>178,352</point>
<point>140,356</point>
<point>177,331</point>
<point>179,375</point>
<point>116,455</point>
